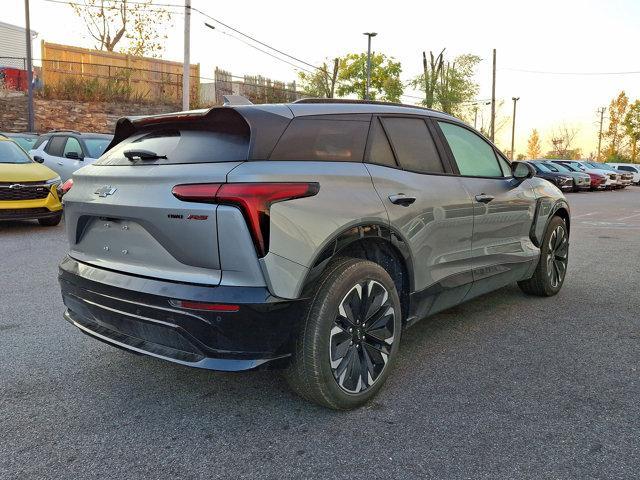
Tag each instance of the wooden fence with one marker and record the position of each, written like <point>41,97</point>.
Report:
<point>151,79</point>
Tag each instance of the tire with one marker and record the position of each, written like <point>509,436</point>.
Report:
<point>51,221</point>
<point>330,362</point>
<point>551,271</point>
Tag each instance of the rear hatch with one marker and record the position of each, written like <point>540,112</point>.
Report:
<point>121,214</point>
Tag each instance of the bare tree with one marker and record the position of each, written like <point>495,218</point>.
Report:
<point>562,139</point>
<point>110,22</point>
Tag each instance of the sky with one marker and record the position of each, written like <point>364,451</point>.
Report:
<point>570,36</point>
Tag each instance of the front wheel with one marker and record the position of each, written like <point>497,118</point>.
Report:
<point>349,341</point>
<point>551,271</point>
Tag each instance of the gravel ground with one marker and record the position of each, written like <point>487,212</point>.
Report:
<point>505,386</point>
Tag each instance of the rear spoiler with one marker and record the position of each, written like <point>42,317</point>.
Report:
<point>266,124</point>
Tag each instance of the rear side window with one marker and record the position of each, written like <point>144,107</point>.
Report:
<point>380,151</point>
<point>55,146</point>
<point>413,144</point>
<point>317,139</point>
<point>473,155</point>
<point>180,146</point>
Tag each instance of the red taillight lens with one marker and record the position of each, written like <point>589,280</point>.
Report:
<point>211,307</point>
<point>66,186</point>
<point>254,199</point>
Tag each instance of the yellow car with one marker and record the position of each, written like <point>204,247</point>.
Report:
<point>28,190</point>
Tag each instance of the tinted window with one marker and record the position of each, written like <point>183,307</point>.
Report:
<point>55,146</point>
<point>180,146</point>
<point>41,139</point>
<point>413,144</point>
<point>11,153</point>
<point>96,146</point>
<point>474,156</point>
<point>72,145</point>
<point>627,168</point>
<point>322,140</point>
<point>380,150</point>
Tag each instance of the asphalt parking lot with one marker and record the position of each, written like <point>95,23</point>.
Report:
<point>505,386</point>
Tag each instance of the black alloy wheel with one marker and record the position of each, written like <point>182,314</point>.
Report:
<point>362,336</point>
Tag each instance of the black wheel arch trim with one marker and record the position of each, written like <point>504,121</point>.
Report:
<point>355,233</point>
<point>547,209</point>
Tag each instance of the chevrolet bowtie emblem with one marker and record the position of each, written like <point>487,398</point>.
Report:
<point>106,190</point>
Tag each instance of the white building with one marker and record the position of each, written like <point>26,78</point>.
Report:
<point>13,43</point>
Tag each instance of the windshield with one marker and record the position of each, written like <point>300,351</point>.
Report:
<point>571,168</point>
<point>553,167</point>
<point>96,146</point>
<point>10,152</point>
<point>559,168</point>
<point>25,142</point>
<point>542,167</point>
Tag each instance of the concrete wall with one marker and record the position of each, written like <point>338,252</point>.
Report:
<point>70,115</point>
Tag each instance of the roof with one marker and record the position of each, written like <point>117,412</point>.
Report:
<point>77,134</point>
<point>10,26</point>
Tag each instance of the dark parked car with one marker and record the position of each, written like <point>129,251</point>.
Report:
<point>306,236</point>
<point>563,181</point>
<point>581,180</point>
<point>598,181</point>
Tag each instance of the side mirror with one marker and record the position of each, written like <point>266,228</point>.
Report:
<point>522,170</point>
<point>38,159</point>
<point>73,155</point>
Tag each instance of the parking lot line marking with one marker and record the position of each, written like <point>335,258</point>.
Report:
<point>630,216</point>
<point>584,215</point>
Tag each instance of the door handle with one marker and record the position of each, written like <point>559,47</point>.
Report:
<point>401,199</point>
<point>60,163</point>
<point>482,198</point>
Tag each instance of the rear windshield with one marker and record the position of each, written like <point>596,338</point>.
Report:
<point>96,146</point>
<point>180,146</point>
<point>11,153</point>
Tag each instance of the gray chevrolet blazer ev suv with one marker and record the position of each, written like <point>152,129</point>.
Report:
<point>306,236</point>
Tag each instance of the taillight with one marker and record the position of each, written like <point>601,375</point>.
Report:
<point>66,186</point>
<point>253,199</point>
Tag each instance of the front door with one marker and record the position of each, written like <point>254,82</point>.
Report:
<point>427,205</point>
<point>504,208</point>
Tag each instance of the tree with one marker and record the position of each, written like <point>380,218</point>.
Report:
<point>561,140</point>
<point>114,22</point>
<point>385,77</point>
<point>632,127</point>
<point>321,83</point>
<point>534,150</point>
<point>616,130</point>
<point>447,85</point>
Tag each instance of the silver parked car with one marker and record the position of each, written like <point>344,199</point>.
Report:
<point>65,151</point>
<point>305,236</point>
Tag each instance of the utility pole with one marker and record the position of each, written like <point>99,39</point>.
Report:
<point>475,117</point>
<point>492,130</point>
<point>186,67</point>
<point>601,112</point>
<point>513,127</point>
<point>369,35</point>
<point>27,20</point>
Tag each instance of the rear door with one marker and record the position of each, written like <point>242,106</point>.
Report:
<point>72,158</point>
<point>504,208</point>
<point>427,205</point>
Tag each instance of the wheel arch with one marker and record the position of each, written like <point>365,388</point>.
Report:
<point>375,242</point>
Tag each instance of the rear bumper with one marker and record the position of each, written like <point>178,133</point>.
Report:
<point>135,313</point>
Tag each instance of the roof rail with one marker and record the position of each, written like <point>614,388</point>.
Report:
<point>65,131</point>
<point>363,102</point>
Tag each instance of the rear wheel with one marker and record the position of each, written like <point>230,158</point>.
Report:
<point>350,337</point>
<point>51,221</point>
<point>551,271</point>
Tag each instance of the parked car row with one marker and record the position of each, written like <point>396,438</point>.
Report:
<point>35,171</point>
<point>575,175</point>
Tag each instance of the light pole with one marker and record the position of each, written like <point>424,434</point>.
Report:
<point>369,35</point>
<point>186,65</point>
<point>513,126</point>
<point>31,126</point>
